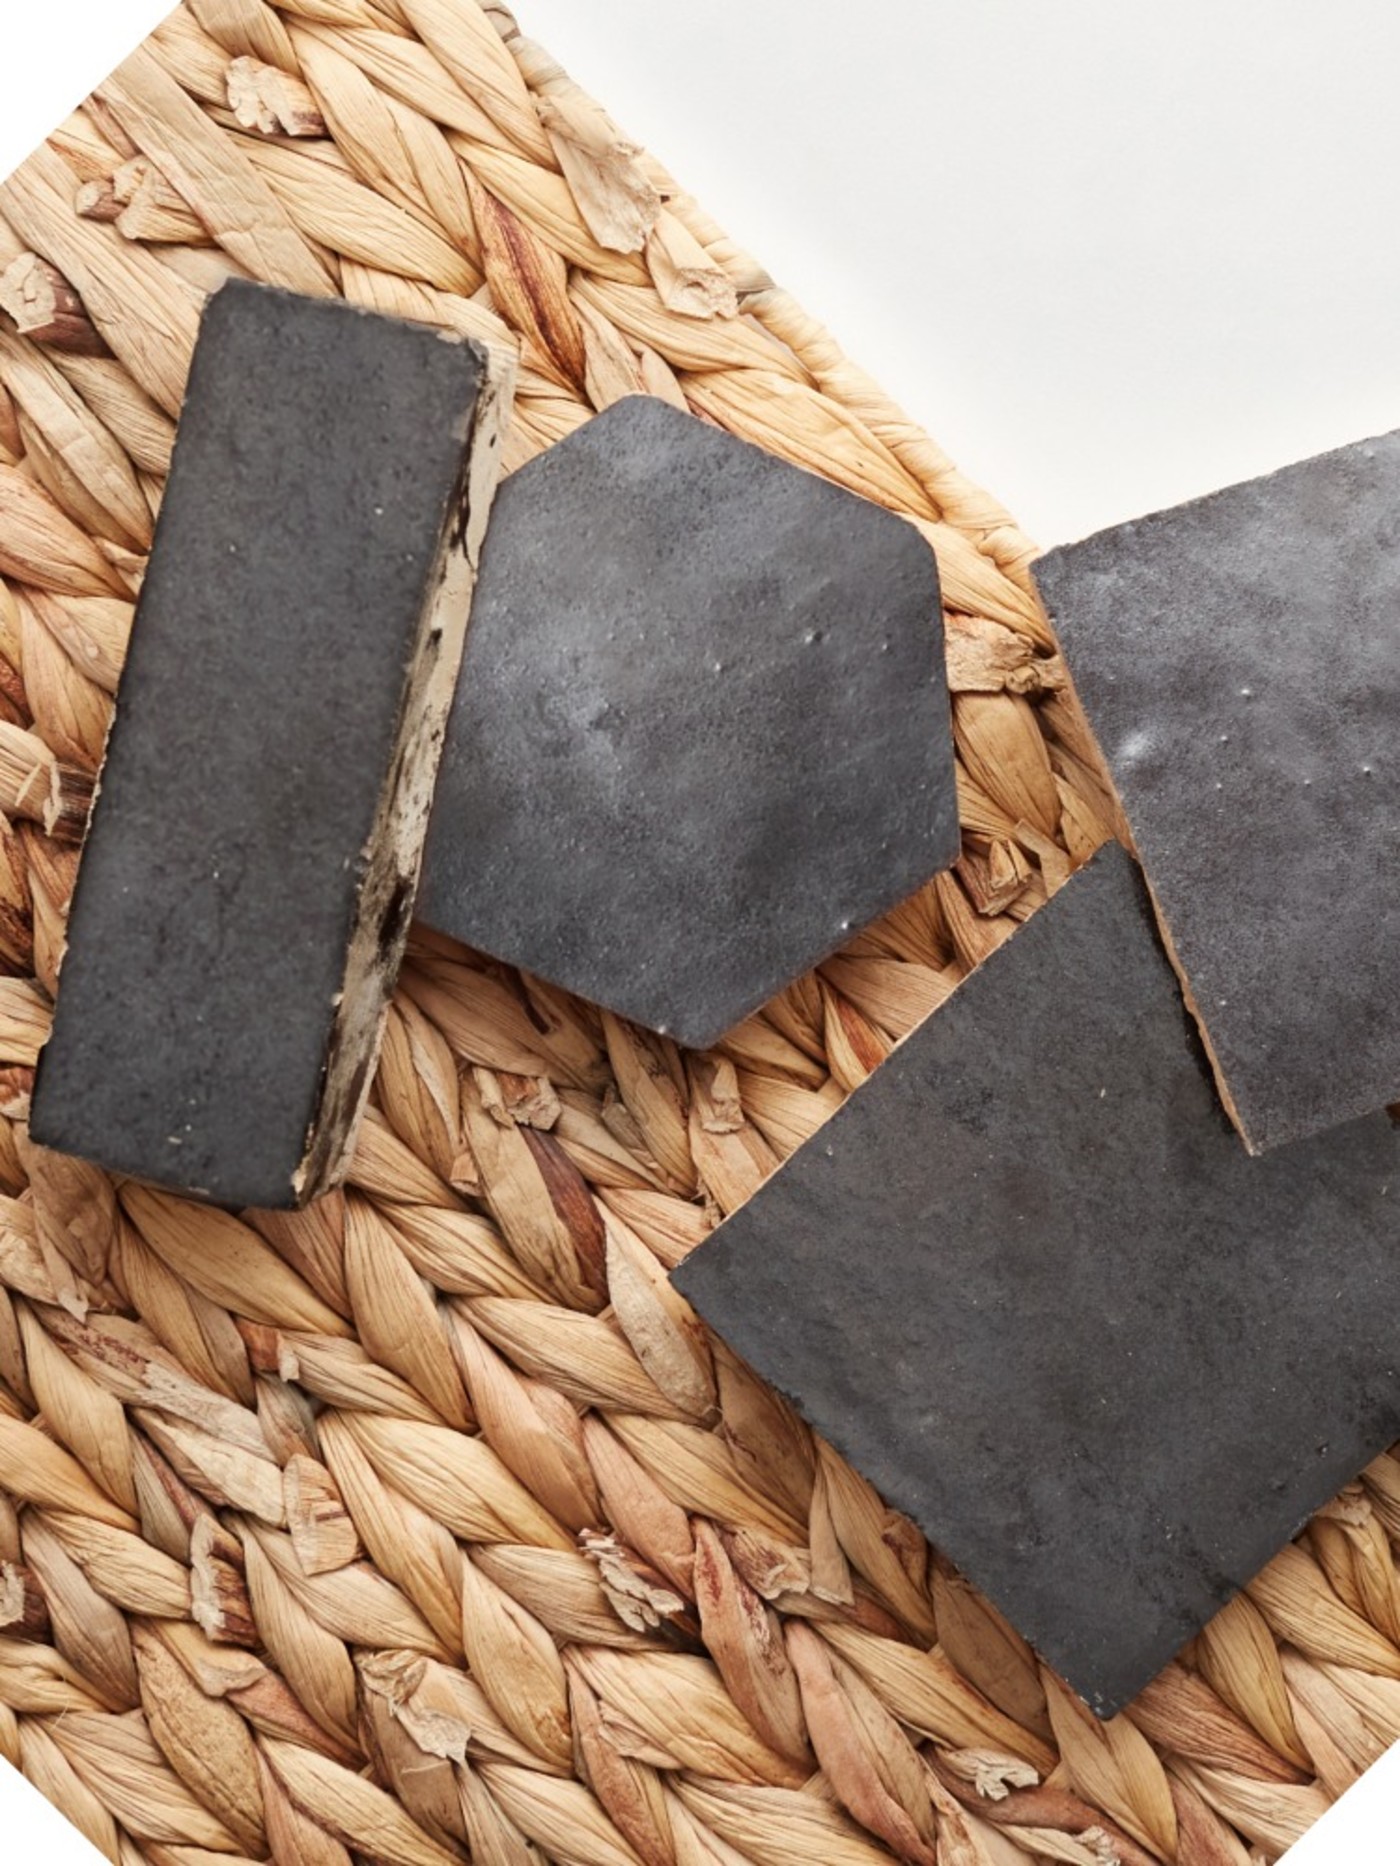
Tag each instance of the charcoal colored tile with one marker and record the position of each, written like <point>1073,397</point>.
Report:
<point>1028,1280</point>
<point>702,729</point>
<point>1239,659</point>
<point>247,880</point>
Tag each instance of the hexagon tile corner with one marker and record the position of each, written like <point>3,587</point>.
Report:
<point>702,732</point>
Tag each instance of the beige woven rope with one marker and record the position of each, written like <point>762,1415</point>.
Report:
<point>429,1524</point>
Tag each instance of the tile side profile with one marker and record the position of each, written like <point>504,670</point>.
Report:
<point>248,876</point>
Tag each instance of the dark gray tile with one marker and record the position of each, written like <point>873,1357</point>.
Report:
<point>702,728</point>
<point>248,876</point>
<point>1032,1285</point>
<point>1239,659</point>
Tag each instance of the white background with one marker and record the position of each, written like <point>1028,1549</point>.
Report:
<point>1110,254</point>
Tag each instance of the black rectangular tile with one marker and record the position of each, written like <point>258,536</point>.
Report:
<point>1031,1284</point>
<point>248,877</point>
<point>1239,660</point>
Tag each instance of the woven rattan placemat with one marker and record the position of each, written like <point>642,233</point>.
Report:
<point>429,1521</point>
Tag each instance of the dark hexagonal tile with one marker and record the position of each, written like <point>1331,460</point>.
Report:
<point>702,730</point>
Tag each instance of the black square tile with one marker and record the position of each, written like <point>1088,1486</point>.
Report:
<point>1031,1284</point>
<point>1239,660</point>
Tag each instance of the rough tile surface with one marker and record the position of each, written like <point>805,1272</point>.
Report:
<point>702,729</point>
<point>248,875</point>
<point>1030,1282</point>
<point>1239,659</point>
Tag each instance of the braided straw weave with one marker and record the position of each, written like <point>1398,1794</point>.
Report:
<point>428,1524</point>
